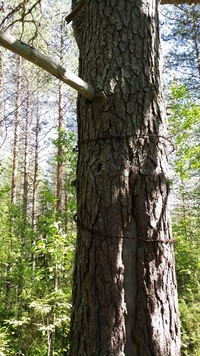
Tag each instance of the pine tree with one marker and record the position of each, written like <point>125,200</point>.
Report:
<point>183,35</point>
<point>122,188</point>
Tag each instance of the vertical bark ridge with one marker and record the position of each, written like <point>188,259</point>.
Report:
<point>122,292</point>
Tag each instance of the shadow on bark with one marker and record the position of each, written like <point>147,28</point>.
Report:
<point>124,297</point>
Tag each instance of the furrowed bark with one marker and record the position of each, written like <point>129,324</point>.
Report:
<point>81,5</point>
<point>125,293</point>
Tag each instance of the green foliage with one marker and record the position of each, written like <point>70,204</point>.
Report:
<point>47,299</point>
<point>4,342</point>
<point>186,230</point>
<point>37,243</point>
<point>185,128</point>
<point>36,267</point>
<point>190,319</point>
<point>66,139</point>
<point>181,29</point>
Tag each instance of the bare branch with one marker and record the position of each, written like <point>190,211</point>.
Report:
<point>46,63</point>
<point>22,12</point>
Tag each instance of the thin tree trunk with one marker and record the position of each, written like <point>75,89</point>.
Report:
<point>59,203</point>
<point>65,203</point>
<point>196,39</point>
<point>16,134</point>
<point>36,165</point>
<point>1,97</point>
<point>60,131</point>
<point>14,180</point>
<point>124,287</point>
<point>26,156</point>
<point>183,206</point>
<point>59,151</point>
<point>23,236</point>
<point>35,180</point>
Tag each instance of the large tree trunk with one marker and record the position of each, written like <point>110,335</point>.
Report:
<point>125,293</point>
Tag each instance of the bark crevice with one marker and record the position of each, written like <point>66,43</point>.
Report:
<point>124,243</point>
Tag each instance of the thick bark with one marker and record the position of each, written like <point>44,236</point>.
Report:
<point>125,294</point>
<point>79,6</point>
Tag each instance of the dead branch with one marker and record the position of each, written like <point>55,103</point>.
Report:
<point>78,8</point>
<point>46,63</point>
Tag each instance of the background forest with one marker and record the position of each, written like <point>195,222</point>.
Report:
<point>38,153</point>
